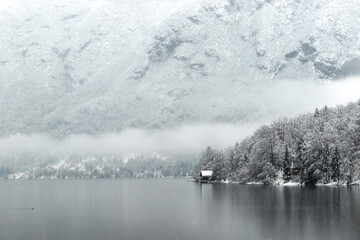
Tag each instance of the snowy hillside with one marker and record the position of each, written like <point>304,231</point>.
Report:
<point>129,166</point>
<point>105,65</point>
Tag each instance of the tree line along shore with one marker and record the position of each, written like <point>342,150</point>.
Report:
<point>322,147</point>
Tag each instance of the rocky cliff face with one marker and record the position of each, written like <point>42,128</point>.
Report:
<point>101,66</point>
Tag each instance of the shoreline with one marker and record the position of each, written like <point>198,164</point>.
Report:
<point>288,184</point>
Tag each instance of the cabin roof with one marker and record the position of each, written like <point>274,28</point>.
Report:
<point>206,173</point>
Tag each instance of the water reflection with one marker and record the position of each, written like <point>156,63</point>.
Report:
<point>176,209</point>
<point>268,212</point>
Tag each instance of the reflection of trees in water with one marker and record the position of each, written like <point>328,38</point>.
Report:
<point>269,212</point>
<point>317,212</point>
<point>354,209</point>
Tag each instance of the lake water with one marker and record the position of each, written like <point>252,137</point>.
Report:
<point>174,209</point>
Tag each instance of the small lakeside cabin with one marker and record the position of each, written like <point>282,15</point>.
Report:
<point>205,176</point>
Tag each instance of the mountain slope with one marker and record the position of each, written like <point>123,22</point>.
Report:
<point>101,66</point>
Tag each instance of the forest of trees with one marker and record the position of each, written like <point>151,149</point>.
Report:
<point>319,147</point>
<point>4,172</point>
<point>80,168</point>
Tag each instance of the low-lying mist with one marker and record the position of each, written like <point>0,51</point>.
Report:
<point>282,98</point>
<point>187,139</point>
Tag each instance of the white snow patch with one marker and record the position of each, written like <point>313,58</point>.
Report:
<point>357,182</point>
<point>279,178</point>
<point>255,183</point>
<point>18,175</point>
<point>291,183</point>
<point>328,184</point>
<point>58,165</point>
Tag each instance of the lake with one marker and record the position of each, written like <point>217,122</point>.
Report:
<point>174,209</point>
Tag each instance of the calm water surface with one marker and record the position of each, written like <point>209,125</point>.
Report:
<point>174,209</point>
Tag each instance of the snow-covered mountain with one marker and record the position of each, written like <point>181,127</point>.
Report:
<point>93,66</point>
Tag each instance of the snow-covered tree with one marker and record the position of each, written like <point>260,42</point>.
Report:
<point>287,165</point>
<point>335,165</point>
<point>311,143</point>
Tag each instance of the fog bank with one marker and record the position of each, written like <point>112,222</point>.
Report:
<point>284,98</point>
<point>188,139</point>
